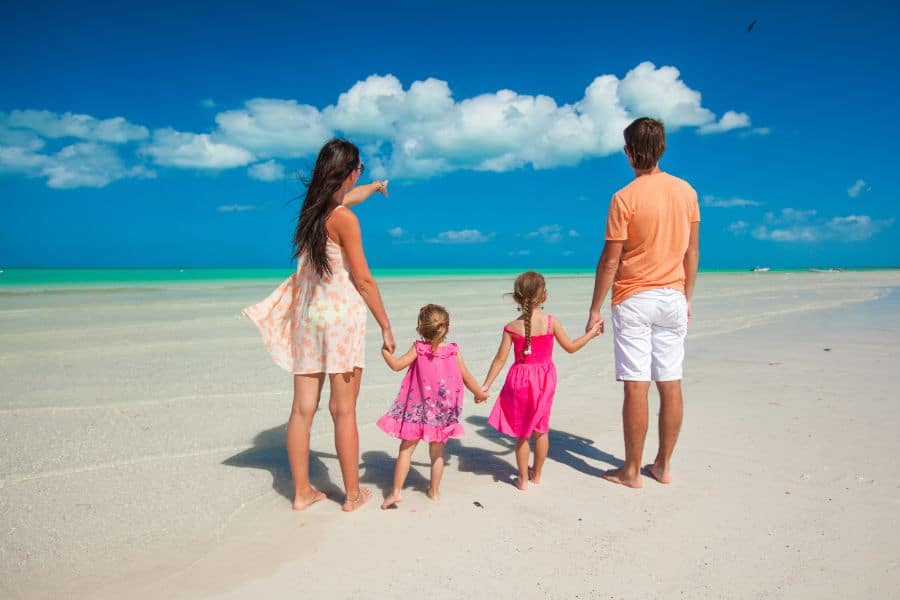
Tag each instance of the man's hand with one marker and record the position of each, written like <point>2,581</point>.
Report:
<point>594,320</point>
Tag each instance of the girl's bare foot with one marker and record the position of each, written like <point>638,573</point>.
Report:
<point>532,476</point>
<point>391,501</point>
<point>434,494</point>
<point>351,504</point>
<point>658,473</point>
<point>302,501</point>
<point>619,476</point>
<point>521,483</point>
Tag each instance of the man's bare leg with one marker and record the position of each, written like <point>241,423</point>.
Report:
<point>635,416</point>
<point>671,411</point>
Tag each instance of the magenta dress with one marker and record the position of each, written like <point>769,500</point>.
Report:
<point>430,399</point>
<point>523,406</point>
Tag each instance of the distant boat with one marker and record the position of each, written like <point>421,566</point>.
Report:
<point>759,269</point>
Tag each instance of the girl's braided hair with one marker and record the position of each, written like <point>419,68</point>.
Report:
<point>529,290</point>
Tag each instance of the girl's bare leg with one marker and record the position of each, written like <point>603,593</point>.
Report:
<point>541,447</point>
<point>401,470</point>
<point>436,450</point>
<point>522,451</point>
<point>342,405</point>
<point>306,399</point>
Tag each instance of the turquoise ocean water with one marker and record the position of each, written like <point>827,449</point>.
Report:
<point>11,278</point>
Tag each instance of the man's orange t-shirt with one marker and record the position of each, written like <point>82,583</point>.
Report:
<point>653,216</point>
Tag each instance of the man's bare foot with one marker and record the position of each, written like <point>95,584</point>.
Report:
<point>657,473</point>
<point>532,476</point>
<point>522,484</point>
<point>391,501</point>
<point>619,476</point>
<point>302,501</point>
<point>351,504</point>
<point>434,494</point>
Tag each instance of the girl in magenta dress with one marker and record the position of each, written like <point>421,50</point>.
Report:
<point>523,407</point>
<point>430,399</point>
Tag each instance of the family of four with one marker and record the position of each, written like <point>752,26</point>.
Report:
<point>314,326</point>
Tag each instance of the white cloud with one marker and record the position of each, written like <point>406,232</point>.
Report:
<point>198,151</point>
<point>856,227</point>
<point>116,130</point>
<point>267,171</point>
<point>791,225</point>
<point>463,236</point>
<point>716,202</point>
<point>273,128</point>
<point>396,232</point>
<point>761,130</point>
<point>423,131</point>
<point>738,227</point>
<point>573,233</point>
<point>208,103</point>
<point>730,120</point>
<point>84,164</point>
<point>856,189</point>
<point>229,208</point>
<point>415,132</point>
<point>549,233</point>
<point>659,92</point>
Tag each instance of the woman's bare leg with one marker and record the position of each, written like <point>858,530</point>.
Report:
<point>307,389</point>
<point>342,405</point>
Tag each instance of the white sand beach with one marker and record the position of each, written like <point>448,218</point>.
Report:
<point>142,454</point>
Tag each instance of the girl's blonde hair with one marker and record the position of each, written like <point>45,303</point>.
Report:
<point>528,290</point>
<point>433,324</point>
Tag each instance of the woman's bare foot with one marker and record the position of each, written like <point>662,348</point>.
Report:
<point>658,473</point>
<point>393,499</point>
<point>434,494</point>
<point>619,476</point>
<point>521,483</point>
<point>532,476</point>
<point>302,501</point>
<point>351,504</point>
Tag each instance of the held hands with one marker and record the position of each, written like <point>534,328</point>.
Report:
<point>388,343</point>
<point>595,324</point>
<point>483,396</point>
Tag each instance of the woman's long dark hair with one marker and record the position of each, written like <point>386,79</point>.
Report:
<point>336,161</point>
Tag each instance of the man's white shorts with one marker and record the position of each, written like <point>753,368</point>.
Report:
<point>649,335</point>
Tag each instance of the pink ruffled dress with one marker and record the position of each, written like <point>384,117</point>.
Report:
<point>524,404</point>
<point>430,399</point>
<point>313,324</point>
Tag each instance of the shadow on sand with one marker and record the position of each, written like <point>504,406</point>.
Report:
<point>566,448</point>
<point>270,453</point>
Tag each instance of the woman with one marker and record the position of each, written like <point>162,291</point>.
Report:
<point>314,324</point>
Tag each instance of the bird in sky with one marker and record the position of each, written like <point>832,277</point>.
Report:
<point>751,26</point>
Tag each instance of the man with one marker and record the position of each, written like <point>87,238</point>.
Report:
<point>650,258</point>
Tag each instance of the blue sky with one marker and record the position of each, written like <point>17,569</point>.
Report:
<point>168,135</point>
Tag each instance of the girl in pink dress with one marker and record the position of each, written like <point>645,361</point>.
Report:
<point>523,407</point>
<point>430,399</point>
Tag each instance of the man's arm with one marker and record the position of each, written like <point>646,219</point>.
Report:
<point>607,267</point>
<point>691,262</point>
